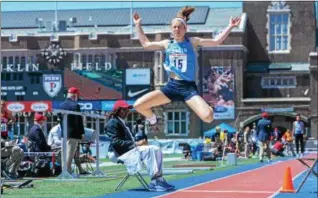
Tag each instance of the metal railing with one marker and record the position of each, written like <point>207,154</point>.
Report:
<point>65,174</point>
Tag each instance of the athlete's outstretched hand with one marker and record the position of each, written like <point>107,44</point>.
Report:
<point>234,22</point>
<point>137,19</point>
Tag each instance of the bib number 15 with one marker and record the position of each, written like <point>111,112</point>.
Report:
<point>179,61</point>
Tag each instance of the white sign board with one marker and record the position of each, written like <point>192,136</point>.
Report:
<point>137,76</point>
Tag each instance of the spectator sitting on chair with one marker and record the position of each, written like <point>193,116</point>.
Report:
<point>186,150</point>
<point>215,152</point>
<point>86,155</point>
<point>11,157</point>
<point>36,136</point>
<point>124,145</point>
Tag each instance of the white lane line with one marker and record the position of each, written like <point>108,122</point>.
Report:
<point>228,191</point>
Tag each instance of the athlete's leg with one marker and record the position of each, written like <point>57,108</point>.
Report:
<point>201,108</point>
<point>152,99</point>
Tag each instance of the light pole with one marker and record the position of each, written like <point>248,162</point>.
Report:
<point>56,16</point>
<point>130,17</point>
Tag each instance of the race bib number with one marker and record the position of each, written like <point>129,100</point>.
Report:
<point>179,61</point>
<point>3,127</point>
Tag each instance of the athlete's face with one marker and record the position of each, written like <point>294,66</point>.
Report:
<point>178,29</point>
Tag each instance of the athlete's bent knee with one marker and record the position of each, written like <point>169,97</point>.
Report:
<point>208,117</point>
<point>137,106</point>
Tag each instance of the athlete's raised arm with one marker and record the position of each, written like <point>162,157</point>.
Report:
<point>196,41</point>
<point>146,44</point>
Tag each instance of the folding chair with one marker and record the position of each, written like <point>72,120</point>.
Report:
<point>3,167</point>
<point>137,175</point>
<point>113,158</point>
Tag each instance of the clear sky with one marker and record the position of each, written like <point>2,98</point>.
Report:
<point>14,6</point>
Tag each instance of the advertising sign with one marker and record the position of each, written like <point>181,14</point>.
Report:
<point>108,105</point>
<point>138,77</point>
<point>29,106</point>
<point>85,105</point>
<point>218,89</point>
<point>135,91</point>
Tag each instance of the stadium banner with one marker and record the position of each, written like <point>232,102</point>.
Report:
<point>85,105</point>
<point>29,106</point>
<point>138,76</point>
<point>218,89</point>
<point>108,105</point>
<point>135,91</point>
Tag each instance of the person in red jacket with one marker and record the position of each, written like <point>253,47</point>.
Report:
<point>6,120</point>
<point>278,149</point>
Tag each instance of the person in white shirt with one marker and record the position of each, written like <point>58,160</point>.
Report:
<point>55,137</point>
<point>247,142</point>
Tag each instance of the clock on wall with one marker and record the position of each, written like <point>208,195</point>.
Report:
<point>54,53</point>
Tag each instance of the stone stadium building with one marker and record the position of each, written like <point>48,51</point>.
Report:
<point>270,59</point>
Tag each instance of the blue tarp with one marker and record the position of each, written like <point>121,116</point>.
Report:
<point>223,127</point>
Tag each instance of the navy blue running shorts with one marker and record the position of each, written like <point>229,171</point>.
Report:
<point>180,90</point>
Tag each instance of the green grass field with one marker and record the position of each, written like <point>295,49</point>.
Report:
<point>89,187</point>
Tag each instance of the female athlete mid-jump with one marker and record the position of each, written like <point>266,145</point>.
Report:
<point>181,65</point>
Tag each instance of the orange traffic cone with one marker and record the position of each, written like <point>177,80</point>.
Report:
<point>288,186</point>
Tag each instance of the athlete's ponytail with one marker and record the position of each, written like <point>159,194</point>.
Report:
<point>185,13</point>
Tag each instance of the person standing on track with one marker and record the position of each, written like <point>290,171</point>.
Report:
<point>181,64</point>
<point>264,128</point>
<point>298,133</point>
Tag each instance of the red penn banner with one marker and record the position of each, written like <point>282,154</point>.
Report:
<point>29,106</point>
